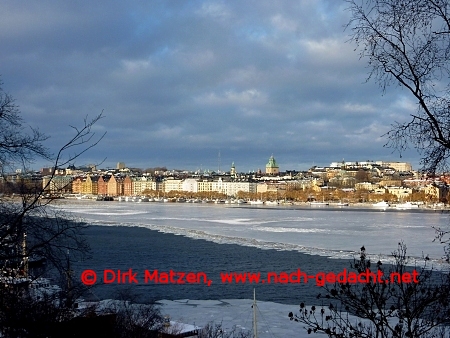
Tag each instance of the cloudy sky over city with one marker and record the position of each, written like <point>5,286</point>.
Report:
<point>181,81</point>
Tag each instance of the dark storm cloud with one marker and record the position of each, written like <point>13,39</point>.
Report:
<point>181,81</point>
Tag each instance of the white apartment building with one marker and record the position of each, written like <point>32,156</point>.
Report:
<point>220,186</point>
<point>234,187</point>
<point>201,185</point>
<point>190,185</point>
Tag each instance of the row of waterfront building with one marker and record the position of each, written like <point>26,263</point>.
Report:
<point>396,178</point>
<point>116,185</point>
<point>136,186</point>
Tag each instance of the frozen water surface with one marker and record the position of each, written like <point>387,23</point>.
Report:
<point>336,233</point>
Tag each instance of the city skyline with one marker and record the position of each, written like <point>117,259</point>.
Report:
<point>272,168</point>
<point>180,82</point>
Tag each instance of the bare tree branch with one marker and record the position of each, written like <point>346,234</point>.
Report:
<point>29,226</point>
<point>407,43</point>
<point>396,308</point>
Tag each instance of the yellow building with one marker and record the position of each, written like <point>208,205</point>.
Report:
<point>77,185</point>
<point>436,192</point>
<point>140,184</point>
<point>173,185</point>
<point>274,187</point>
<point>90,186</point>
<point>204,185</point>
<point>115,186</point>
<point>402,193</point>
<point>365,186</point>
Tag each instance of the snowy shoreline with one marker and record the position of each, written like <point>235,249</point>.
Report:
<point>281,206</point>
<point>272,318</point>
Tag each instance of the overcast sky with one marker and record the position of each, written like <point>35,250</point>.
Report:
<point>181,81</point>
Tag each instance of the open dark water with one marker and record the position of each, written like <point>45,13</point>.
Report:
<point>116,247</point>
<point>218,238</point>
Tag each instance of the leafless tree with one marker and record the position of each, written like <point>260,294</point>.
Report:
<point>26,220</point>
<point>392,306</point>
<point>30,229</point>
<point>23,314</point>
<point>16,143</point>
<point>214,330</point>
<point>407,43</point>
<point>133,319</point>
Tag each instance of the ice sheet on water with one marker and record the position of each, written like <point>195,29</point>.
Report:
<point>336,234</point>
<point>311,230</point>
<point>103,212</point>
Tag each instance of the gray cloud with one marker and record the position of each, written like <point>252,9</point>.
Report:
<point>181,81</point>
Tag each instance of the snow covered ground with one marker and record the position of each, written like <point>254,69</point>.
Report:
<point>272,318</point>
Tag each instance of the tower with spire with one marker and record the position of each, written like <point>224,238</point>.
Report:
<point>233,170</point>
